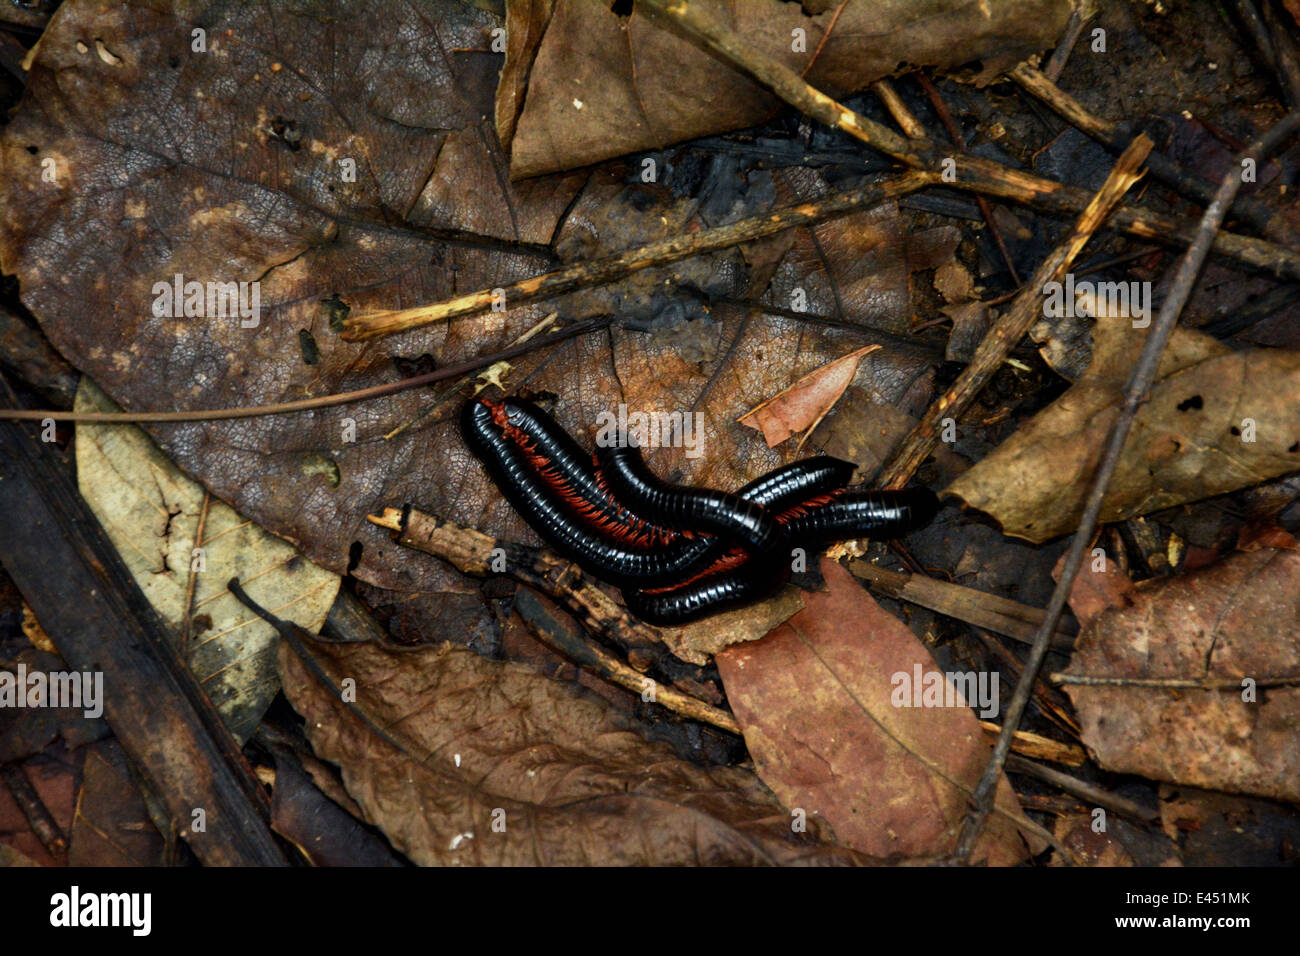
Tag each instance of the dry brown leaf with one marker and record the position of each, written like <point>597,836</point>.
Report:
<point>814,701</point>
<point>1100,584</point>
<point>582,83</point>
<point>1090,847</point>
<point>1191,439</point>
<point>462,760</point>
<point>699,641</point>
<point>801,407</point>
<point>1234,620</point>
<point>111,825</point>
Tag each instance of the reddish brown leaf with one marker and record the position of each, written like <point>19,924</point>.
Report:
<point>1100,584</point>
<point>815,701</point>
<point>801,407</point>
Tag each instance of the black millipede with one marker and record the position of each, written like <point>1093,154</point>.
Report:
<point>542,489</point>
<point>679,553</point>
<point>538,502</point>
<point>570,472</point>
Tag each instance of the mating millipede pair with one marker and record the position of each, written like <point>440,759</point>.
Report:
<point>678,553</point>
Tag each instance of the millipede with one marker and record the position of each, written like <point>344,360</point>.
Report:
<point>678,553</point>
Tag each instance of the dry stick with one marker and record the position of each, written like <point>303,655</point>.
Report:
<point>973,173</point>
<point>1062,52</point>
<point>1082,789</point>
<point>1115,136</point>
<point>1255,27</point>
<point>954,135</point>
<point>619,265</point>
<point>1012,326</point>
<point>1174,683</point>
<point>1002,615</point>
<point>898,109</point>
<point>33,807</point>
<point>322,401</point>
<point>472,552</point>
<point>1275,48</point>
<point>1135,393</point>
<point>1288,58</point>
<point>605,665</point>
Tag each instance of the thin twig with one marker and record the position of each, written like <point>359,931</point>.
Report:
<point>1174,683</point>
<point>187,606</point>
<point>1061,55</point>
<point>1275,47</point>
<point>898,110</point>
<point>38,815</point>
<point>611,268</point>
<point>1082,789</point>
<point>322,401</point>
<point>1188,269</point>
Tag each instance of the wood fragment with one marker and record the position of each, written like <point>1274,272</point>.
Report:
<point>998,614</point>
<point>909,124</point>
<point>1039,747</point>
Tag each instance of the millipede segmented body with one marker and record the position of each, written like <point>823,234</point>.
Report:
<point>570,472</point>
<point>860,514</point>
<point>545,509</point>
<point>678,553</point>
<point>707,596</point>
<point>683,508</point>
